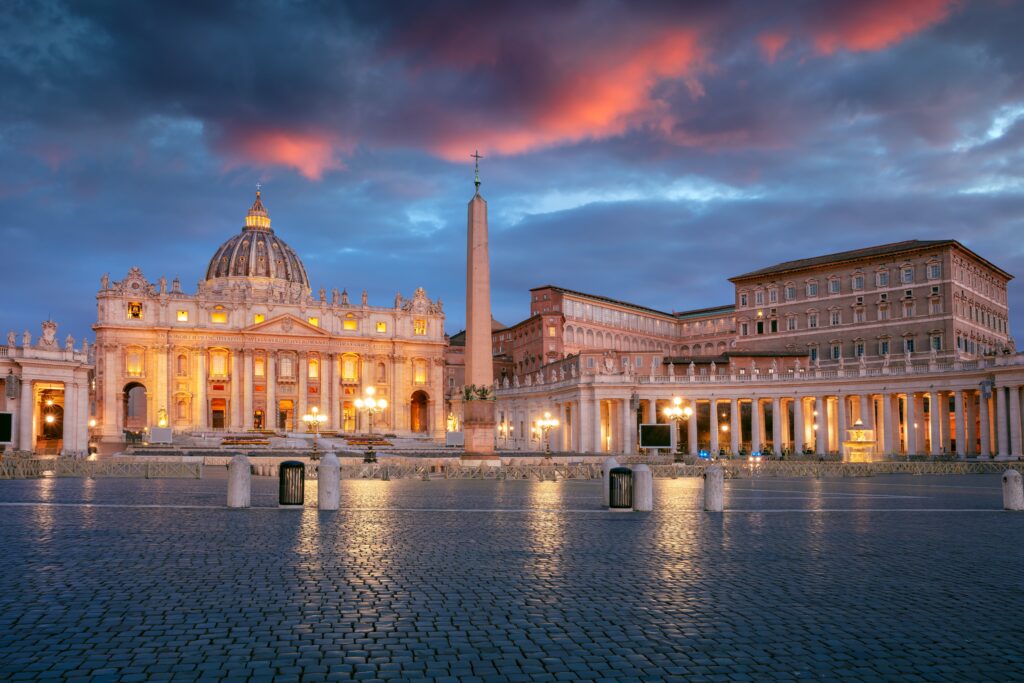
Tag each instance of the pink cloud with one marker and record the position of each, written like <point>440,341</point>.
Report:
<point>311,154</point>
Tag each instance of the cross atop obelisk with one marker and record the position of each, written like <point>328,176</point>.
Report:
<point>477,157</point>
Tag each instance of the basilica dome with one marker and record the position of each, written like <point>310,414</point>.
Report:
<point>256,252</point>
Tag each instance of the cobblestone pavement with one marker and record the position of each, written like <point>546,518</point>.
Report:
<point>895,578</point>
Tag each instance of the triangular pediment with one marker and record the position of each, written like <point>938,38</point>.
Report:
<point>287,324</point>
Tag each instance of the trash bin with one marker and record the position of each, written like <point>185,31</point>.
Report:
<point>292,489</point>
<point>620,489</point>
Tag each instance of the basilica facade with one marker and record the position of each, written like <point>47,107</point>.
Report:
<point>254,349</point>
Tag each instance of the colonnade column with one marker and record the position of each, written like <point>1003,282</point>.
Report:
<point>971,413</point>
<point>841,420</point>
<point>691,429</point>
<point>271,419</point>
<point>714,428</point>
<point>329,402</point>
<point>799,425</point>
<point>628,426</point>
<point>821,438</point>
<point>776,424</point>
<point>26,415</point>
<point>958,413</point>
<point>735,426</point>
<point>865,413</point>
<point>935,423</point>
<point>986,424</point>
<point>910,415</point>
<point>586,425</point>
<point>756,419</point>
<point>652,410</point>
<point>300,406</point>
<point>1015,441</point>
<point>887,424</point>
<point>1002,440</point>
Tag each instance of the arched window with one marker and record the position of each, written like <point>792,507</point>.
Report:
<point>182,365</point>
<point>314,368</point>
<point>382,373</point>
<point>287,367</point>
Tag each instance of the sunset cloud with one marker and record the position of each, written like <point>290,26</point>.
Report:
<point>870,25</point>
<point>311,154</point>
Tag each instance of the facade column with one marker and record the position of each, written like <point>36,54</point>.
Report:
<point>691,429</point>
<point>1002,440</point>
<point>202,409</point>
<point>628,427</point>
<point>736,426</point>
<point>247,384</point>
<point>652,411</point>
<point>236,390</point>
<point>958,413</point>
<point>986,425</point>
<point>911,417</point>
<point>776,424</point>
<point>1015,428</point>
<point>111,406</point>
<point>301,407</point>
<point>864,411</point>
<point>713,413</point>
<point>26,415</point>
<point>821,438</point>
<point>270,420</point>
<point>82,396</point>
<point>328,390</point>
<point>799,425</point>
<point>756,420</point>
<point>887,425</point>
<point>586,425</point>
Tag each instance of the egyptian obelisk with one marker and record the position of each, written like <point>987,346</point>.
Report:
<point>478,415</point>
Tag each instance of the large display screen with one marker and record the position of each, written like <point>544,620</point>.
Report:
<point>6,425</point>
<point>655,436</point>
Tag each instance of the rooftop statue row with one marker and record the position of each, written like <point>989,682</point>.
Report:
<point>47,341</point>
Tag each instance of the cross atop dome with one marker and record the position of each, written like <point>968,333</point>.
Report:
<point>257,218</point>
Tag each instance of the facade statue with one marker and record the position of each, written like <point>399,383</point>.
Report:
<point>69,343</point>
<point>885,361</point>
<point>12,340</point>
<point>540,377</point>
<point>398,299</point>
<point>671,369</point>
<point>775,366</point>
<point>85,346</point>
<point>691,369</point>
<point>323,294</point>
<point>504,382</point>
<point>335,297</point>
<point>26,339</point>
<point>344,297</point>
<point>561,372</point>
<point>529,380</point>
<point>906,356</point>
<point>515,381</point>
<point>365,299</point>
<point>713,368</point>
<point>862,361</point>
<point>105,281</point>
<point>49,338</point>
<point>842,362</point>
<point>796,365</point>
<point>12,385</point>
<point>572,370</point>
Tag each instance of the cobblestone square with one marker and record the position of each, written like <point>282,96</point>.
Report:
<point>895,578</point>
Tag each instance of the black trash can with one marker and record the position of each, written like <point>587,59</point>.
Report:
<point>620,493</point>
<point>292,491</point>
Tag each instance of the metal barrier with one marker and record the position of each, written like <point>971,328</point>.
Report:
<point>73,467</point>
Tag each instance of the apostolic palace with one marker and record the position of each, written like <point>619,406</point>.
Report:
<point>889,350</point>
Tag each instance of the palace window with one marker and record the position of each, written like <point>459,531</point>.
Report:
<point>833,286</point>
<point>837,351</point>
<point>790,292</point>
<point>936,306</point>
<point>314,368</point>
<point>858,315</point>
<point>907,275</point>
<point>908,344</point>
<point>773,296</point>
<point>858,282</point>
<point>812,320</point>
<point>791,323</point>
<point>882,278</point>
<point>419,327</point>
<point>937,342</point>
<point>743,299</point>
<point>134,310</point>
<point>349,324</point>
<point>258,318</point>
<point>858,349</point>
<point>744,329</point>
<point>314,321</point>
<point>419,371</point>
<point>883,347</point>
<point>814,353</point>
<point>182,316</point>
<point>218,315</point>
<point>935,271</point>
<point>287,367</point>
<point>182,369</point>
<point>382,327</point>
<point>759,298</point>
<point>835,318</point>
<point>883,312</point>
<point>551,330</point>
<point>259,367</point>
<point>908,309</point>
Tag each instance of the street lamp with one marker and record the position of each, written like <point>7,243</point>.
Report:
<point>677,412</point>
<point>371,405</point>
<point>314,419</point>
<point>545,424</point>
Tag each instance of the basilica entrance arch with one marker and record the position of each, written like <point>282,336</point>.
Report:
<point>418,414</point>
<point>134,413</point>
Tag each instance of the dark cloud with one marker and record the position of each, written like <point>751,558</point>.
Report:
<point>645,151</point>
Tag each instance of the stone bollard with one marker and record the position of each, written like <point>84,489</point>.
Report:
<point>1013,490</point>
<point>714,489</point>
<point>643,489</point>
<point>328,488</point>
<point>606,467</point>
<point>239,482</point>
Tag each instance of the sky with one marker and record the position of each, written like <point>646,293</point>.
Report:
<point>645,151</point>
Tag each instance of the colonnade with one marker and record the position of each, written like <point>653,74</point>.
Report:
<point>980,420</point>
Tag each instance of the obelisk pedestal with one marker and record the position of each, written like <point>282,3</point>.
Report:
<point>478,420</point>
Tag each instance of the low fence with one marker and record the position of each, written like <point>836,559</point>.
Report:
<point>27,468</point>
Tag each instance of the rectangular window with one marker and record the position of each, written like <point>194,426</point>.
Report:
<point>908,309</point>
<point>419,372</point>
<point>833,286</point>
<point>382,327</point>
<point>908,344</point>
<point>743,299</point>
<point>790,293</point>
<point>937,306</point>
<point>773,296</point>
<point>286,369</point>
<point>551,330</point>
<point>135,310</point>
<point>812,320</point>
<point>759,298</point>
<point>835,318</point>
<point>219,365</point>
<point>883,312</point>
<point>182,316</point>
<point>773,325</point>
<point>760,327</point>
<point>258,318</point>
<point>349,325</point>
<point>937,342</point>
<point>836,351</point>
<point>258,367</point>
<point>858,315</point>
<point>935,271</point>
<point>313,369</point>
<point>349,368</point>
<point>858,349</point>
<point>419,327</point>
<point>882,279</point>
<point>814,353</point>
<point>907,275</point>
<point>812,289</point>
<point>219,317</point>
<point>883,347</point>
<point>744,330</point>
<point>314,321</point>
<point>858,282</point>
<point>791,323</point>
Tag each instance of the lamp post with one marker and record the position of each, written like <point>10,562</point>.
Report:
<point>545,425</point>
<point>314,419</point>
<point>677,412</point>
<point>371,405</point>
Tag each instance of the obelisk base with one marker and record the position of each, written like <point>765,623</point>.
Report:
<point>478,431</point>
